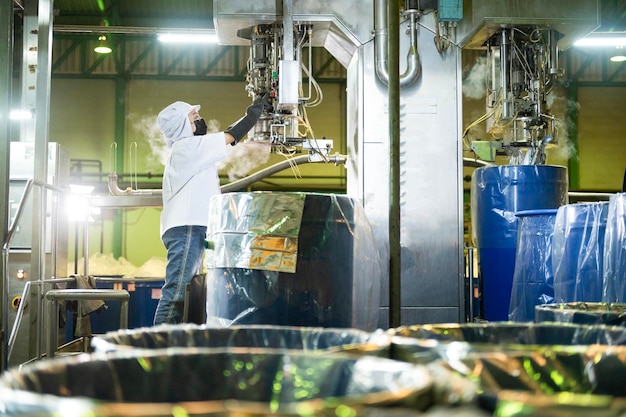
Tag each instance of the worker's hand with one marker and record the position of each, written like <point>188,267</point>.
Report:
<point>256,108</point>
<point>242,126</point>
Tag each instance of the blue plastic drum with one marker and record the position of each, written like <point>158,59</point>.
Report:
<point>615,250</point>
<point>497,193</point>
<point>145,294</point>
<point>578,251</point>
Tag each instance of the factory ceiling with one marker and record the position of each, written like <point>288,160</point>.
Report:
<point>77,23</point>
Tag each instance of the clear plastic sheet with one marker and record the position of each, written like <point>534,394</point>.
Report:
<point>539,370</point>
<point>595,369</point>
<point>525,404</point>
<point>533,279</point>
<point>253,336</point>
<point>235,382</point>
<point>615,250</point>
<point>508,333</point>
<point>578,251</point>
<point>582,313</point>
<point>336,282</point>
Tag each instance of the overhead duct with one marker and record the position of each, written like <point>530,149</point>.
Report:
<point>339,27</point>
<point>483,19</point>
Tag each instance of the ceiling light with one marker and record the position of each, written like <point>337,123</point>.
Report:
<point>618,58</point>
<point>600,39</point>
<point>205,37</point>
<point>102,47</point>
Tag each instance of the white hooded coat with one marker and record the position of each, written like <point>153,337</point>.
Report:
<point>190,178</point>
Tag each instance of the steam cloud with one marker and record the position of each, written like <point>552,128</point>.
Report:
<point>240,160</point>
<point>474,82</point>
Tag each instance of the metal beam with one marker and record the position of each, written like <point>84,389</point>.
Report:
<point>65,55</point>
<point>215,61</point>
<point>176,61</point>
<point>140,57</point>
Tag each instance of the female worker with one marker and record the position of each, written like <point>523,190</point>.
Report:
<point>190,179</point>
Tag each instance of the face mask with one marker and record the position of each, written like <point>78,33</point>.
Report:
<point>200,127</point>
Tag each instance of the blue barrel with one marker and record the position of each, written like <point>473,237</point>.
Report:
<point>578,251</point>
<point>533,279</point>
<point>497,193</point>
<point>615,250</point>
<point>145,294</point>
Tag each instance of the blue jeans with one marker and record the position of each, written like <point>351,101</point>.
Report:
<point>185,246</point>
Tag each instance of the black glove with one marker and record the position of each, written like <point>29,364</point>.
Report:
<point>242,126</point>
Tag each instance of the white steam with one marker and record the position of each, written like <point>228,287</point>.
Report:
<point>243,158</point>
<point>560,106</point>
<point>474,84</point>
<point>240,160</point>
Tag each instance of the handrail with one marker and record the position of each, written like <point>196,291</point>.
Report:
<point>18,214</point>
<point>20,309</point>
<point>6,246</point>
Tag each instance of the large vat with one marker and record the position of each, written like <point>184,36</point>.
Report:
<point>497,193</point>
<point>251,336</point>
<point>233,382</point>
<point>582,313</point>
<point>291,259</point>
<point>503,334</point>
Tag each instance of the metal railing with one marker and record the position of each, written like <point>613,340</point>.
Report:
<point>9,343</point>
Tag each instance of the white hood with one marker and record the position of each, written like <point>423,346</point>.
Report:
<point>173,121</point>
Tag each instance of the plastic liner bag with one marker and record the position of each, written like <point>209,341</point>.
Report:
<point>252,336</point>
<point>582,313</point>
<point>525,404</point>
<point>291,259</point>
<point>508,333</point>
<point>532,277</point>
<point>615,251</point>
<point>540,370</point>
<point>578,251</point>
<point>225,382</point>
<point>597,370</point>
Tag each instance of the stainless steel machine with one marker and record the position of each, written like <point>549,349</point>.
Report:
<point>521,39</point>
<point>20,251</point>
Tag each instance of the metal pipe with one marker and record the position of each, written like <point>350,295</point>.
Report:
<point>129,30</point>
<point>42,122</point>
<point>470,276</point>
<point>116,190</point>
<point>475,163</point>
<point>299,160</point>
<point>504,73</point>
<point>6,83</point>
<point>395,266</point>
<point>235,185</point>
<point>381,35</point>
<point>589,196</point>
